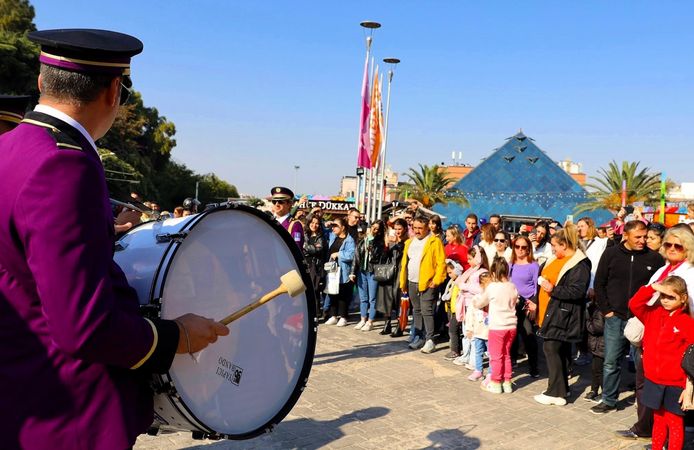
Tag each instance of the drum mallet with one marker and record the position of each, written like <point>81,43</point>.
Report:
<point>290,283</point>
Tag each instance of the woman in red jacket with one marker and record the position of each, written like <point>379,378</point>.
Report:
<point>669,330</point>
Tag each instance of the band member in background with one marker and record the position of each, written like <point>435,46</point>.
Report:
<point>12,109</point>
<point>282,201</point>
<point>76,356</point>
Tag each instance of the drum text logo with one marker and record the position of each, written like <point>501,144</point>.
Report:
<point>230,372</point>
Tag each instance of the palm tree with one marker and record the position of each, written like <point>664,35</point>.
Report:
<point>428,185</point>
<point>642,185</point>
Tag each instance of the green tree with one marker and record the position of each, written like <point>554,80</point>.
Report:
<point>214,190</point>
<point>606,189</point>
<point>174,183</point>
<point>121,177</point>
<point>254,202</point>
<point>428,185</point>
<point>144,139</point>
<point>18,56</point>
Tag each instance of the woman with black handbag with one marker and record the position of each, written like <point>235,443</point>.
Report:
<point>370,251</point>
<point>389,287</point>
<point>315,252</point>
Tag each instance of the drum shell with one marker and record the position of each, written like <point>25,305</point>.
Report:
<point>139,254</point>
<point>146,256</point>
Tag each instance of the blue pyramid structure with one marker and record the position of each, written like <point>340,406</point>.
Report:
<point>519,179</point>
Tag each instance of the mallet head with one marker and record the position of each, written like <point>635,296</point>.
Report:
<point>293,282</point>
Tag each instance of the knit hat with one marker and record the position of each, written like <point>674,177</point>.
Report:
<point>457,268</point>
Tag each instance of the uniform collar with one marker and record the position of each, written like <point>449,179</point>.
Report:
<point>50,111</point>
<point>283,218</point>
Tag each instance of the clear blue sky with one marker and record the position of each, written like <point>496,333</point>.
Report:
<point>257,87</point>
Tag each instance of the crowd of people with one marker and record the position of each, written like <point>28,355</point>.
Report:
<point>583,294</point>
<point>140,211</point>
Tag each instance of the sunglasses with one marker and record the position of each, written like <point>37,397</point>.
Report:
<point>520,247</point>
<point>278,202</point>
<point>499,240</point>
<point>125,90</point>
<point>669,245</point>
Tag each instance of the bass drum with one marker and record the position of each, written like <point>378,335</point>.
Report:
<point>212,264</point>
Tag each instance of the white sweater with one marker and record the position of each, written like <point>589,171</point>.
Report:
<point>501,298</point>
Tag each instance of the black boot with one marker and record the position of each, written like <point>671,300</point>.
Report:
<point>386,328</point>
<point>397,332</point>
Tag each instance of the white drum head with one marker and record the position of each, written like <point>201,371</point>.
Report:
<point>250,379</point>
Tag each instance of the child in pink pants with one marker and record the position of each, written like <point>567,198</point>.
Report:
<point>500,296</point>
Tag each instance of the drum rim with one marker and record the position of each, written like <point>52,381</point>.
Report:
<point>302,380</point>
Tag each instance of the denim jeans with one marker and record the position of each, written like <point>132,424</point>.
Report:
<point>480,348</point>
<point>468,348</point>
<point>616,347</point>
<point>368,287</point>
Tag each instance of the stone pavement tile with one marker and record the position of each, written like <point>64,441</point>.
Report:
<point>368,391</point>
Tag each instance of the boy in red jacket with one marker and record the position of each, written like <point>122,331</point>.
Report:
<point>669,330</point>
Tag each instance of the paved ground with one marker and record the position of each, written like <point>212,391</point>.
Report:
<point>368,391</point>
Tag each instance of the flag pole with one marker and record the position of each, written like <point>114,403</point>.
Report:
<point>391,72</point>
<point>663,188</point>
<point>369,26</point>
<point>372,171</point>
<point>624,193</point>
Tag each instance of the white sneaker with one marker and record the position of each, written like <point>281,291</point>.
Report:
<point>331,321</point>
<point>429,347</point>
<point>460,360</point>
<point>360,325</point>
<point>342,322</point>
<point>368,326</point>
<point>469,366</point>
<point>547,400</point>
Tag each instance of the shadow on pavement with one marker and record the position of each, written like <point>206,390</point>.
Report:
<point>452,438</point>
<point>301,433</point>
<point>377,350</point>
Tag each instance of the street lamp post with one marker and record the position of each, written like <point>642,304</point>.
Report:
<point>392,62</point>
<point>296,177</point>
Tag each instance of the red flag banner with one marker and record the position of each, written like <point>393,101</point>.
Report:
<point>364,150</point>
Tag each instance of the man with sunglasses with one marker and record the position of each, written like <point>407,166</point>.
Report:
<point>282,201</point>
<point>76,356</point>
<point>622,270</point>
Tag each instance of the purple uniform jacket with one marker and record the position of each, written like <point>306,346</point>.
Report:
<point>295,229</point>
<point>71,336</point>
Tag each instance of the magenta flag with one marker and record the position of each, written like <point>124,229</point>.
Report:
<point>364,151</point>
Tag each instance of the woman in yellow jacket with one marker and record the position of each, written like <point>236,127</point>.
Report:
<point>422,270</point>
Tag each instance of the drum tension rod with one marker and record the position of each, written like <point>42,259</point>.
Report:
<point>168,237</point>
<point>166,388</point>
<point>151,310</point>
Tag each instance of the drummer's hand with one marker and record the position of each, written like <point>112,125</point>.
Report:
<point>201,331</point>
<point>123,228</point>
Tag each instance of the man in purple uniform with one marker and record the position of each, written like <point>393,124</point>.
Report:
<point>282,201</point>
<point>76,356</point>
<point>12,109</point>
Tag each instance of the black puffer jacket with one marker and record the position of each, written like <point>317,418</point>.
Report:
<point>595,324</point>
<point>565,315</point>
